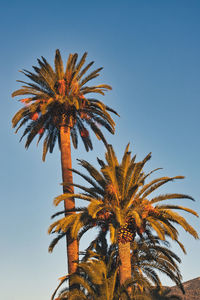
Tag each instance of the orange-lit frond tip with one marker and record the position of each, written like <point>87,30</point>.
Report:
<point>127,148</point>
<point>62,278</point>
<point>25,100</point>
<point>147,157</point>
<point>179,177</point>
<point>103,215</point>
<point>59,65</point>
<point>104,86</point>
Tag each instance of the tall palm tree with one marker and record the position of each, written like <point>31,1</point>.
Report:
<point>56,108</point>
<point>119,200</point>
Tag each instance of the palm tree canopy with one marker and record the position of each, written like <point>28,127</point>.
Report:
<point>57,98</point>
<point>119,200</point>
<point>151,255</point>
<point>98,273</point>
<point>97,276</point>
<point>92,280</point>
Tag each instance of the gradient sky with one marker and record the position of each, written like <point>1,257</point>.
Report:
<point>150,51</point>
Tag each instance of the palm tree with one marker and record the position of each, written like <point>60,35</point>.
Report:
<point>97,276</point>
<point>149,255</point>
<point>56,108</point>
<point>92,280</point>
<point>119,201</point>
<point>98,249</point>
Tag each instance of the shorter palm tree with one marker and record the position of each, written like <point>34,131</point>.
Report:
<point>97,276</point>
<point>101,262</point>
<point>93,280</point>
<point>119,201</point>
<point>99,249</point>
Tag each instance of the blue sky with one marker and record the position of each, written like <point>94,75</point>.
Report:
<point>150,53</point>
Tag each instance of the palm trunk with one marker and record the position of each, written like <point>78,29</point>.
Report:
<point>125,261</point>
<point>66,162</point>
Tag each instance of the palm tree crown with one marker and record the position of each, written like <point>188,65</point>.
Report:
<point>57,98</point>
<point>97,276</point>
<point>92,280</point>
<point>149,255</point>
<point>119,200</point>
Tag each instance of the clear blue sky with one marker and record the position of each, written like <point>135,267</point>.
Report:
<point>150,51</point>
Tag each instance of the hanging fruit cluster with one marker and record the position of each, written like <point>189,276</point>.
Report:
<point>41,130</point>
<point>84,133</point>
<point>140,230</point>
<point>61,87</point>
<point>83,114</point>
<point>34,116</point>
<point>125,235</point>
<point>110,189</point>
<point>103,215</point>
<point>127,232</point>
<point>148,208</point>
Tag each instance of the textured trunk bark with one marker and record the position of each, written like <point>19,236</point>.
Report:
<point>125,259</point>
<point>66,163</point>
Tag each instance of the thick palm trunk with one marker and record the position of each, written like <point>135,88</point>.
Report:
<point>125,261</point>
<point>66,163</point>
